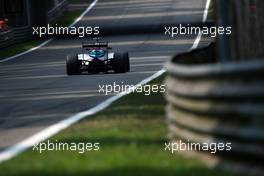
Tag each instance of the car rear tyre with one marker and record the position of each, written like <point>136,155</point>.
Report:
<point>73,65</point>
<point>121,63</point>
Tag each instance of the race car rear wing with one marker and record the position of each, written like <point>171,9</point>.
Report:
<point>94,44</point>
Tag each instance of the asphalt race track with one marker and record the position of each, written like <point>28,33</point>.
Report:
<point>35,91</point>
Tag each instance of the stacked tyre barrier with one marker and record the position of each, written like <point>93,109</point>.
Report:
<point>22,33</point>
<point>6,39</point>
<point>15,35</point>
<point>211,102</point>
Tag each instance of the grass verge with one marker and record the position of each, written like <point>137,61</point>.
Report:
<point>211,12</point>
<point>66,19</point>
<point>131,133</point>
<point>19,48</point>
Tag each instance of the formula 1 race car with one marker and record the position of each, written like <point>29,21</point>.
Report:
<point>95,58</point>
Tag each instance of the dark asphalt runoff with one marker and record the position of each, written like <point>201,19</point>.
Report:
<point>35,91</point>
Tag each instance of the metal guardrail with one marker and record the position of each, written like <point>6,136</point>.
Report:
<point>218,102</point>
<point>20,34</point>
<point>6,39</point>
<point>14,36</point>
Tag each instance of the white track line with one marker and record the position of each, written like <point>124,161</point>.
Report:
<point>54,129</point>
<point>205,14</point>
<point>25,52</point>
<point>49,40</point>
<point>196,41</point>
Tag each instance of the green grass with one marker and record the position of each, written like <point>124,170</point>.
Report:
<point>19,48</point>
<point>66,19</point>
<point>131,133</point>
<point>211,12</point>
